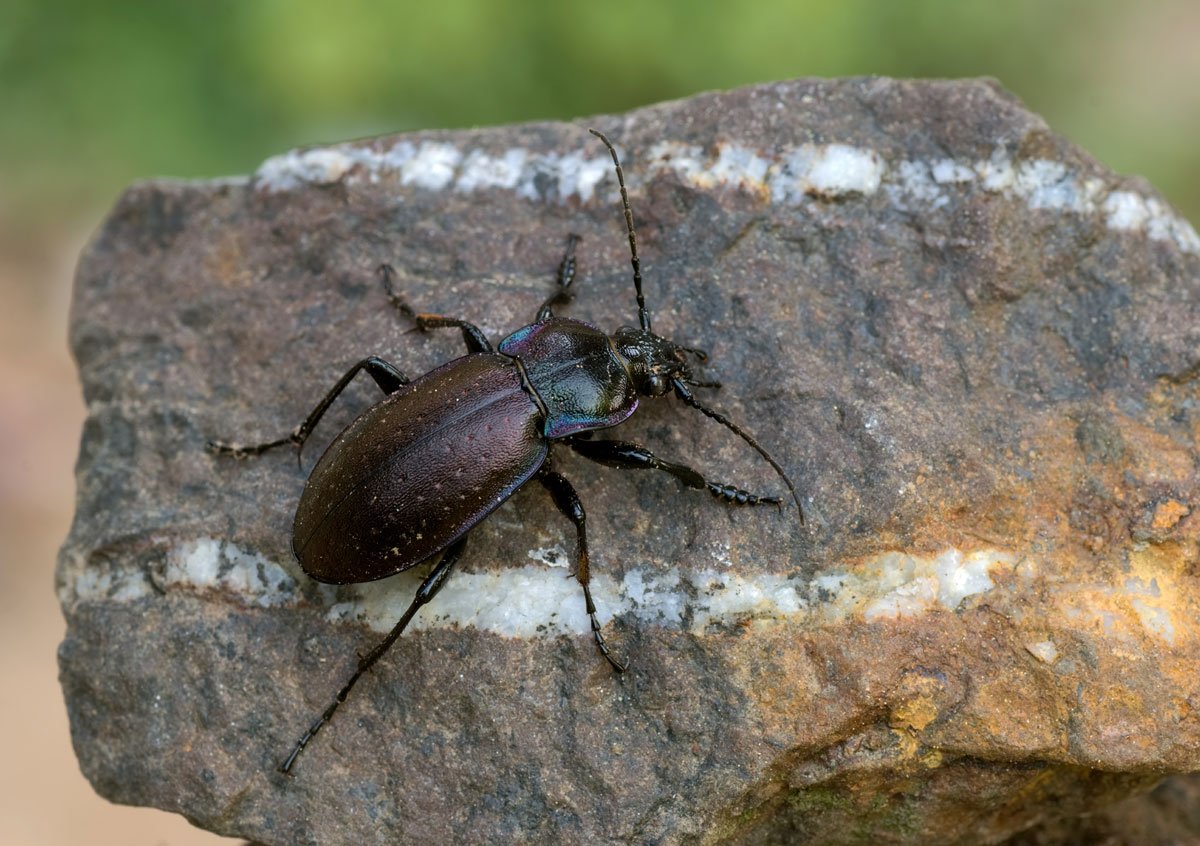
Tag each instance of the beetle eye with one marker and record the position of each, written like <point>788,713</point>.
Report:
<point>658,384</point>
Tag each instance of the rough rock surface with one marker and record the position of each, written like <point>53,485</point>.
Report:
<point>1168,815</point>
<point>975,349</point>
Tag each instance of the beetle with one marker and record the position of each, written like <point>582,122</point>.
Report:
<point>413,474</point>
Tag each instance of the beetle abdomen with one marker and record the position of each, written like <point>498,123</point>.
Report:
<point>418,470</point>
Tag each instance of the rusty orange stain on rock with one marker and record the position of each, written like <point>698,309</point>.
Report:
<point>1168,513</point>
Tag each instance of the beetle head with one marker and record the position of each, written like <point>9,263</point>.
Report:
<point>657,365</point>
<point>653,361</point>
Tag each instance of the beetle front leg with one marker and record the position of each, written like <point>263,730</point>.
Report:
<point>386,376</point>
<point>427,591</point>
<point>567,502</point>
<point>625,455</point>
<point>566,275</point>
<point>473,336</point>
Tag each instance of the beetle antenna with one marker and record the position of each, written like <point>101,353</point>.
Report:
<point>643,316</point>
<point>684,394</point>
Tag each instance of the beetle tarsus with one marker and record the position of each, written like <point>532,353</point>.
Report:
<point>684,394</point>
<point>473,336</point>
<point>566,275</point>
<point>240,451</point>
<point>286,766</point>
<point>736,496</point>
<point>626,455</point>
<point>386,376</point>
<point>616,665</point>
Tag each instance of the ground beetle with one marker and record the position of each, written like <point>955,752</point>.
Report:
<point>415,473</point>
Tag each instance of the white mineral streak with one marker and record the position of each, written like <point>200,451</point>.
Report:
<point>208,563</point>
<point>543,599</point>
<point>787,175</point>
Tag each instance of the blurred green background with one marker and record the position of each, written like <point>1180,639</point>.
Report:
<point>94,95</point>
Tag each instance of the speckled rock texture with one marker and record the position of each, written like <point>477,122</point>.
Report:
<point>975,349</point>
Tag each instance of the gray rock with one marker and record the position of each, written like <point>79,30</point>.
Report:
<point>975,349</point>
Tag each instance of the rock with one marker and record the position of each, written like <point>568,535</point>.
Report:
<point>975,350</point>
<point>1169,815</point>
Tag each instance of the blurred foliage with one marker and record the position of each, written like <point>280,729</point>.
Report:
<point>96,94</point>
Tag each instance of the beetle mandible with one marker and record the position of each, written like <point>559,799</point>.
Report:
<point>412,475</point>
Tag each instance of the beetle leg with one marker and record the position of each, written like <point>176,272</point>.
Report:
<point>566,275</point>
<point>427,591</point>
<point>630,456</point>
<point>567,502</point>
<point>473,336</point>
<point>386,376</point>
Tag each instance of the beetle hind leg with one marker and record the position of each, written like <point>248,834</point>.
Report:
<point>567,502</point>
<point>386,376</point>
<point>427,591</point>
